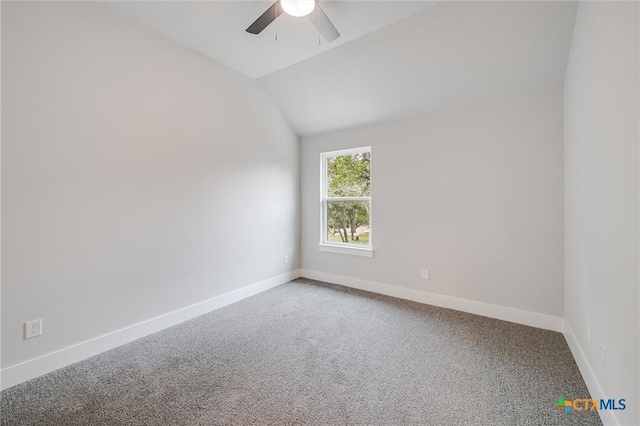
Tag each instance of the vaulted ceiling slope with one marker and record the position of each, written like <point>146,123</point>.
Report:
<point>216,28</point>
<point>394,58</point>
<point>453,54</point>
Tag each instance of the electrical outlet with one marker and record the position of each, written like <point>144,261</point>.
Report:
<point>589,333</point>
<point>425,274</point>
<point>32,329</point>
<point>603,357</point>
<point>286,258</point>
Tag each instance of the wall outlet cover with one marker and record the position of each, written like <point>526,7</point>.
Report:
<point>32,329</point>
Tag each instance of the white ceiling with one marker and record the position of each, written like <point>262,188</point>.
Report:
<point>394,58</point>
<point>217,28</point>
<point>454,54</point>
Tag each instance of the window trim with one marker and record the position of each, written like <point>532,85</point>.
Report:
<point>332,246</point>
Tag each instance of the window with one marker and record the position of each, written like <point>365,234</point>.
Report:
<point>346,202</point>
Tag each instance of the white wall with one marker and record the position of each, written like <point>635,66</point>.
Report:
<point>474,195</point>
<point>138,177</point>
<point>602,195</point>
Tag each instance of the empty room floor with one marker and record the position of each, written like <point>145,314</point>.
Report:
<point>308,352</point>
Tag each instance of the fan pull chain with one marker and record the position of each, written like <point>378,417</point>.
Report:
<point>276,20</point>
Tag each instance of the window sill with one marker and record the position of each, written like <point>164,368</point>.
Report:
<point>353,251</point>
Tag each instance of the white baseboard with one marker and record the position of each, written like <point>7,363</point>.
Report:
<point>595,389</point>
<point>533,319</point>
<point>47,363</point>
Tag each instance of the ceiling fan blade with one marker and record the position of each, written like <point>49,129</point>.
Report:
<point>265,19</point>
<point>323,24</point>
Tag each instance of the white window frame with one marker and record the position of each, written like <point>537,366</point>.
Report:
<point>339,247</point>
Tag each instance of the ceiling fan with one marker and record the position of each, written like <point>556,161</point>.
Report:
<point>297,8</point>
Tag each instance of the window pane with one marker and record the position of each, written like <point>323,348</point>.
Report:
<point>349,175</point>
<point>348,222</point>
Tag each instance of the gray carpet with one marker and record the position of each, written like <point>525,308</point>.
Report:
<point>319,354</point>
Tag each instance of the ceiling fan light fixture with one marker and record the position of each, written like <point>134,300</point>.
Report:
<point>298,8</point>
